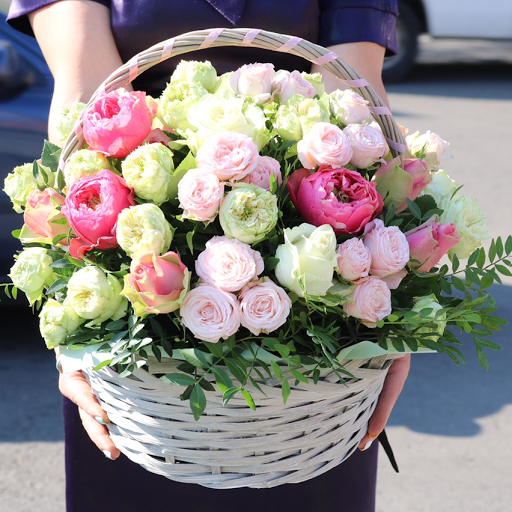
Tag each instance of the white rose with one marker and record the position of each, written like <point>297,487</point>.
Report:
<point>57,322</point>
<point>284,84</point>
<point>254,80</point>
<point>367,142</point>
<point>430,147</point>
<point>349,107</point>
<point>84,162</point>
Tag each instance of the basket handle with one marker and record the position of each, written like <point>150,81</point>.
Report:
<point>218,37</point>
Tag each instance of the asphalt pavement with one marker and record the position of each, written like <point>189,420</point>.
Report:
<point>450,429</point>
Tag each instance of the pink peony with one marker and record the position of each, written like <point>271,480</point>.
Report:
<point>200,194</point>
<point>117,122</point>
<point>284,84</point>
<point>229,155</point>
<point>370,301</point>
<point>353,259</point>
<point>228,264</point>
<point>324,144</point>
<point>158,136</point>
<point>260,175</point>
<point>254,80</point>
<point>92,206</point>
<point>429,242</point>
<point>338,197</point>
<point>156,284</point>
<point>264,306</point>
<point>210,314</point>
<point>368,144</point>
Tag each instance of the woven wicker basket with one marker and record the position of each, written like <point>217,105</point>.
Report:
<point>232,446</point>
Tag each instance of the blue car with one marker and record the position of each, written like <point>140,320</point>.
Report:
<point>26,87</point>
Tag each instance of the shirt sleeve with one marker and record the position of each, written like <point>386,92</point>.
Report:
<point>17,17</point>
<point>351,21</point>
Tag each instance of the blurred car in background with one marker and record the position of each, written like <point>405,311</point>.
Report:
<point>444,19</point>
<point>26,88</point>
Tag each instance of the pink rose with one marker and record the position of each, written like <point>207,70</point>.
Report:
<point>229,155</point>
<point>92,206</point>
<point>388,247</point>
<point>254,80</point>
<point>349,107</point>
<point>324,144</point>
<point>117,122</point>
<point>41,212</point>
<point>264,306</point>
<point>368,144</point>
<point>228,264</point>
<point>266,166</point>
<point>338,197</point>
<point>200,194</point>
<point>284,84</point>
<point>210,314</point>
<point>354,259</point>
<point>429,242</point>
<point>370,301</point>
<point>156,284</point>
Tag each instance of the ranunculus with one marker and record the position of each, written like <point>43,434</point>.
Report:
<point>92,206</point>
<point>348,107</point>
<point>353,259</point>
<point>248,213</point>
<point>229,155</point>
<point>388,247</point>
<point>228,264</point>
<point>338,197</point>
<point>117,122</point>
<point>148,170</point>
<point>307,259</point>
<point>95,295</point>
<point>200,194</point>
<point>84,162</point>
<point>430,302</point>
<point>31,272</point>
<point>397,183</point>
<point>370,301</point>
<point>429,242</point>
<point>210,314</point>
<point>324,144</point>
<point>284,84</point>
<point>143,228</point>
<point>254,80</point>
<point>18,185</point>
<point>42,217</point>
<point>266,166</point>
<point>156,284</point>
<point>367,142</point>
<point>57,322</point>
<point>430,147</point>
<point>264,306</point>
<point>195,71</point>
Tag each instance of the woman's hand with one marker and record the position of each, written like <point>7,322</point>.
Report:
<point>393,385</point>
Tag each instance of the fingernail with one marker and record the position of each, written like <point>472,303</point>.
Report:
<point>367,445</point>
<point>107,454</point>
<point>373,437</point>
<point>99,419</point>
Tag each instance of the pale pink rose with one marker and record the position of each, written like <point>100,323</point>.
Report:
<point>367,142</point>
<point>229,155</point>
<point>254,80</point>
<point>158,135</point>
<point>200,194</point>
<point>349,107</point>
<point>260,175</point>
<point>434,148</point>
<point>117,122</point>
<point>264,306</point>
<point>284,84</point>
<point>324,144</point>
<point>370,301</point>
<point>210,314</point>
<point>354,259</point>
<point>228,264</point>
<point>388,247</point>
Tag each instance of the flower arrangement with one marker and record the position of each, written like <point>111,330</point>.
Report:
<point>251,226</point>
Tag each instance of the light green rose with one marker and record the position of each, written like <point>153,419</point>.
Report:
<point>316,80</point>
<point>307,259</point>
<point>193,71</point>
<point>248,213</point>
<point>31,272</point>
<point>148,170</point>
<point>84,162</point>
<point>57,322</point>
<point>143,228</point>
<point>429,302</point>
<point>67,120</point>
<point>18,184</point>
<point>95,295</point>
<point>441,187</point>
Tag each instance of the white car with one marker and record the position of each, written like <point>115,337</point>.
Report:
<point>445,18</point>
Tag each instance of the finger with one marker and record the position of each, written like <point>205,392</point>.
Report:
<point>393,385</point>
<point>99,435</point>
<point>74,386</point>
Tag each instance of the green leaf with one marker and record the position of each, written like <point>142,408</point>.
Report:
<point>508,245</point>
<point>214,348</point>
<point>277,370</point>
<point>299,376</point>
<point>414,209</point>
<point>189,237</point>
<point>492,251</point>
<point>458,283</point>
<point>195,357</point>
<point>504,270</point>
<point>206,385</point>
<point>271,263</point>
<point>482,358</point>
<point>499,247</point>
<point>236,371</point>
<point>445,286</point>
<point>487,281</point>
<point>197,401</point>
<point>249,399</point>
<point>16,233</point>
<point>58,285</point>
<point>455,263</point>
<point>229,394</point>
<point>51,155</point>
<point>115,325</point>
<point>178,379</point>
<point>62,263</point>
<point>222,378</point>
<point>285,391</point>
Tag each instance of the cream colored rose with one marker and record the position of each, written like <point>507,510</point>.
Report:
<point>84,162</point>
<point>194,71</point>
<point>57,322</point>
<point>430,147</point>
<point>254,80</point>
<point>18,185</point>
<point>349,107</point>
<point>430,302</point>
<point>367,142</point>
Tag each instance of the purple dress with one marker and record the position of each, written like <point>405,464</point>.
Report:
<point>96,483</point>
